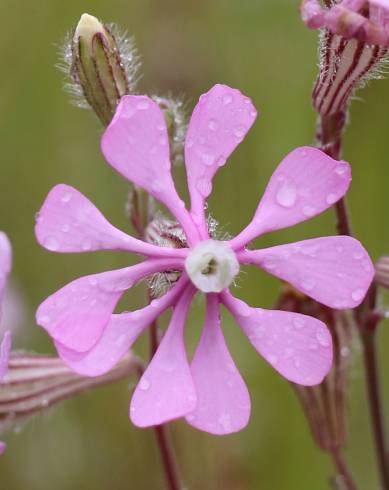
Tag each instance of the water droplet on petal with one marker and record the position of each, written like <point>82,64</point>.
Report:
<point>309,211</point>
<point>213,125</point>
<point>298,322</point>
<point>66,196</point>
<point>273,359</point>
<point>227,99</point>
<point>144,384</point>
<point>204,186</point>
<point>308,284</point>
<point>239,131</point>
<point>86,245</point>
<point>358,294</point>
<point>287,194</point>
<point>341,169</point>
<point>51,244</point>
<point>331,198</point>
<point>323,337</point>
<point>143,105</point>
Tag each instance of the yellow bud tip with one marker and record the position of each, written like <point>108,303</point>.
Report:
<point>87,27</point>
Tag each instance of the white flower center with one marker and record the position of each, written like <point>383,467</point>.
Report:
<point>212,266</point>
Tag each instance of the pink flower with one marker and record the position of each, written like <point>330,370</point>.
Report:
<point>5,269</point>
<point>209,391</point>
<point>365,20</point>
<point>5,345</point>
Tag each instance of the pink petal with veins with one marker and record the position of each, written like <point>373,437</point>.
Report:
<point>218,124</point>
<point>223,402</point>
<point>336,271</point>
<point>118,336</point>
<point>166,390</point>
<point>136,144</point>
<point>76,315</point>
<point>299,347</point>
<point>69,222</point>
<point>306,183</point>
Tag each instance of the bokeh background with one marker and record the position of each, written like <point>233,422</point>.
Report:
<point>261,47</point>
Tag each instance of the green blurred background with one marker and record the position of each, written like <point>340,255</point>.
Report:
<point>261,47</point>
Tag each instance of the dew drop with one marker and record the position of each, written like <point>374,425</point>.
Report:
<point>66,196</point>
<point>358,294</point>
<point>322,337</point>
<point>298,322</point>
<point>244,309</point>
<point>287,194</point>
<point>190,418</point>
<point>43,319</point>
<point>204,186</point>
<point>331,198</point>
<point>313,346</point>
<point>51,244</point>
<point>239,131</point>
<point>309,211</point>
<point>144,384</point>
<point>227,99</point>
<point>273,359</point>
<point>65,228</point>
<point>213,125</point>
<point>308,284</point>
<point>341,169</point>
<point>86,245</point>
<point>143,105</point>
<point>358,255</point>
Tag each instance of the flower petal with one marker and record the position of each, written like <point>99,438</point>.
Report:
<point>5,349</point>
<point>166,390</point>
<point>118,337</point>
<point>306,183</point>
<point>3,447</point>
<point>5,262</point>
<point>336,271</point>
<point>136,144</point>
<point>76,315</point>
<point>219,123</point>
<point>223,402</point>
<point>299,347</point>
<point>69,222</point>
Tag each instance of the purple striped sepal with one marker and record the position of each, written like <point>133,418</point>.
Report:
<point>345,64</point>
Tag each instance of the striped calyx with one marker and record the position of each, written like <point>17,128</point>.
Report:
<point>345,64</point>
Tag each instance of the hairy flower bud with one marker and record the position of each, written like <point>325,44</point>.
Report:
<point>382,272</point>
<point>35,382</point>
<point>354,39</point>
<point>101,64</point>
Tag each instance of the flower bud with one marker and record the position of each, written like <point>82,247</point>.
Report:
<point>164,233</point>
<point>176,124</point>
<point>354,40</point>
<point>35,382</point>
<point>382,271</point>
<point>101,65</point>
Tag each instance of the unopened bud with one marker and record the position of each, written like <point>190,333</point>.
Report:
<point>173,110</point>
<point>102,66</point>
<point>354,39</point>
<point>382,271</point>
<point>35,382</point>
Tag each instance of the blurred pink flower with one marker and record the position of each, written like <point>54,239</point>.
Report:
<point>365,20</point>
<point>5,346</point>
<point>209,391</point>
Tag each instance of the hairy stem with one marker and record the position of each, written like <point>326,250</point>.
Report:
<point>329,135</point>
<point>375,402</point>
